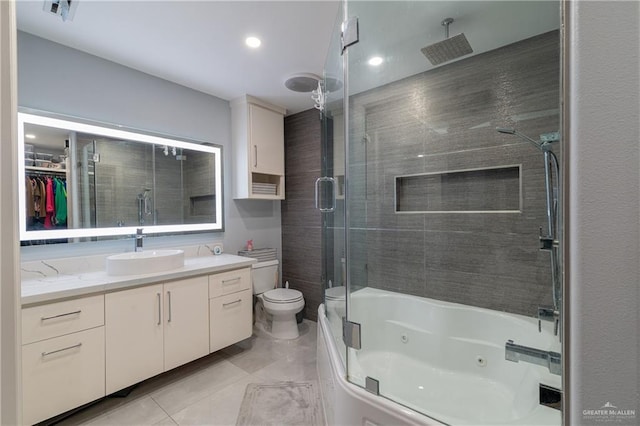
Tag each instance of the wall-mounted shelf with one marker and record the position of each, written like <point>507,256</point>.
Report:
<point>45,169</point>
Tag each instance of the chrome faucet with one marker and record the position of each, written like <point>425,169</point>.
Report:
<point>138,240</point>
<point>551,360</point>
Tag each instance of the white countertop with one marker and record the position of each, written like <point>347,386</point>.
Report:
<point>40,287</point>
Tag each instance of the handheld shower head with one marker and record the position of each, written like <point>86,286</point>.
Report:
<point>506,130</point>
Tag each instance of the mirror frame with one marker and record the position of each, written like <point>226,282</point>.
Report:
<point>120,132</point>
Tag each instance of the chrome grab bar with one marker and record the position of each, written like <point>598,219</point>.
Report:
<point>60,350</point>
<point>333,194</point>
<point>61,315</point>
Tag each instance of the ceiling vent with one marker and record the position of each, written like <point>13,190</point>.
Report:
<point>302,82</point>
<point>66,9</point>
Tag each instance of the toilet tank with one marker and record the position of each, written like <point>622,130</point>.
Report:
<point>265,276</point>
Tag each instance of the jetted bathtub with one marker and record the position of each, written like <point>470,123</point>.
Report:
<point>441,359</point>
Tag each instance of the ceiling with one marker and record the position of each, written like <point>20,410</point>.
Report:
<point>200,44</point>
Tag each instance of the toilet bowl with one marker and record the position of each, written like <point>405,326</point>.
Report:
<point>276,308</point>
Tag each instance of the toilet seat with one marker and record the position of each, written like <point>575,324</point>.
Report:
<point>335,293</point>
<point>282,295</point>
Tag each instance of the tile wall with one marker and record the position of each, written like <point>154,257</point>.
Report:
<point>301,221</point>
<point>438,121</point>
<point>444,120</point>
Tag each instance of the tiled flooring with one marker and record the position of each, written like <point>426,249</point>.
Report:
<point>209,391</point>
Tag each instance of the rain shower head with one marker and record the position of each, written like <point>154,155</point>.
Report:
<point>447,49</point>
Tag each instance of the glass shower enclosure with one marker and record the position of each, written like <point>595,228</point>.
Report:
<point>441,206</point>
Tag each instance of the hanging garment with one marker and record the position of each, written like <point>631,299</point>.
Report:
<point>37,202</point>
<point>29,197</point>
<point>49,204</point>
<point>61,202</point>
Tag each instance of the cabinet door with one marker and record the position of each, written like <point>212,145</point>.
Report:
<point>266,136</point>
<point>134,337</point>
<point>62,373</point>
<point>231,319</point>
<point>186,321</point>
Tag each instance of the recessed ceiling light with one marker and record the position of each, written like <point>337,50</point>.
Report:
<point>30,136</point>
<point>253,42</point>
<point>374,61</point>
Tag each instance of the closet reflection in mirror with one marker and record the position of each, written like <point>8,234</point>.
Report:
<point>83,180</point>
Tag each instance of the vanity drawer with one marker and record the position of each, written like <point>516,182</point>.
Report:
<point>60,318</point>
<point>231,319</point>
<point>229,282</point>
<point>62,373</point>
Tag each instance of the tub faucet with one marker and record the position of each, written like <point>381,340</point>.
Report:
<point>551,360</point>
<point>138,240</point>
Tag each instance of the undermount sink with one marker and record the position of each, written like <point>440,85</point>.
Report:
<point>144,262</point>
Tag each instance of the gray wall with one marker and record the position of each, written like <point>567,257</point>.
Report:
<point>444,120</point>
<point>603,264</point>
<point>55,78</point>
<point>301,221</point>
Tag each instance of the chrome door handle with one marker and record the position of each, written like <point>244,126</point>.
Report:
<point>61,315</point>
<point>169,297</point>
<point>333,194</point>
<point>255,156</point>
<point>60,350</point>
<point>159,309</point>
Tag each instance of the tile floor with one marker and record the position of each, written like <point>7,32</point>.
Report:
<point>209,391</point>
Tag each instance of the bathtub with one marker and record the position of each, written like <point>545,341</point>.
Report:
<point>433,360</point>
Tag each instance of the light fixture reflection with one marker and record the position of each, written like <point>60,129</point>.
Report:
<point>30,136</point>
<point>253,42</point>
<point>374,61</point>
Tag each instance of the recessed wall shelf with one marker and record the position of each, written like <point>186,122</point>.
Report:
<point>482,190</point>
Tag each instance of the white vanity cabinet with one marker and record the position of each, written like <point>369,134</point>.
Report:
<point>154,328</point>
<point>230,307</point>
<point>78,350</point>
<point>63,356</point>
<point>257,132</point>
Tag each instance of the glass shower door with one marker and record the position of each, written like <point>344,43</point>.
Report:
<point>331,188</point>
<point>441,235</point>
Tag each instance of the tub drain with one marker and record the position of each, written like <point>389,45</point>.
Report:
<point>481,361</point>
<point>404,338</point>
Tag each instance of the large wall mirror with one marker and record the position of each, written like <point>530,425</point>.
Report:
<point>80,179</point>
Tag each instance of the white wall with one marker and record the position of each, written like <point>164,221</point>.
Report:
<point>55,78</point>
<point>9,289</point>
<point>604,209</point>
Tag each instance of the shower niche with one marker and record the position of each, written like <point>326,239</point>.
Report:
<point>115,181</point>
<point>483,190</point>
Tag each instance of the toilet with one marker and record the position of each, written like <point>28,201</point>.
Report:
<point>276,308</point>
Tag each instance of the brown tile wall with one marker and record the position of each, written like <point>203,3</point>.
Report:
<point>301,222</point>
